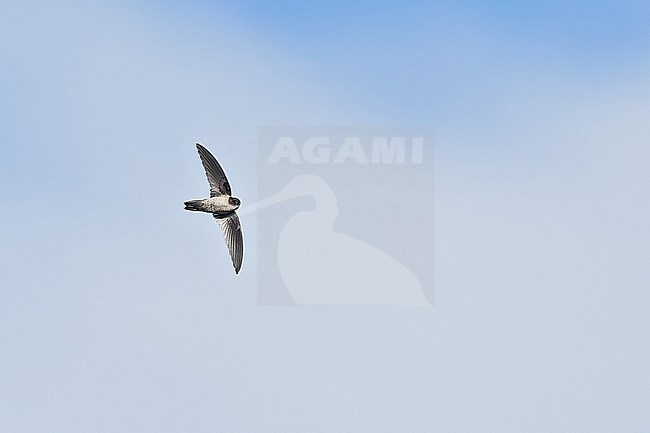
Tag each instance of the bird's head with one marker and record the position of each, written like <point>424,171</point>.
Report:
<point>234,201</point>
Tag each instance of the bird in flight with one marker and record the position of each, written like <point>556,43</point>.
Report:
<point>222,205</point>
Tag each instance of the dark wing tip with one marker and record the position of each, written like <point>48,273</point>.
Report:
<point>201,149</point>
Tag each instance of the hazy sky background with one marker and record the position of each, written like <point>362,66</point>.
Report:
<point>119,314</point>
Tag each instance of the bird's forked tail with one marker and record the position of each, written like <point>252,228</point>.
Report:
<point>195,205</point>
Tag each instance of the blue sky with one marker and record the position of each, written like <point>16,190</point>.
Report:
<point>117,312</point>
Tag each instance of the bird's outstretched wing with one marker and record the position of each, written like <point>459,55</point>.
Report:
<point>232,234</point>
<point>216,177</point>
